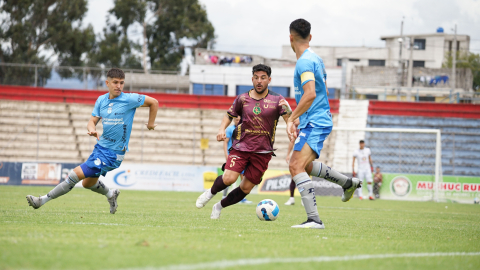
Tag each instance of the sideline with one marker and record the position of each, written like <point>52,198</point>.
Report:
<point>248,262</point>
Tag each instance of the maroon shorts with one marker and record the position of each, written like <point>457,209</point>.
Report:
<point>254,164</point>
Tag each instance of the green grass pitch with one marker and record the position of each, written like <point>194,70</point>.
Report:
<point>157,230</point>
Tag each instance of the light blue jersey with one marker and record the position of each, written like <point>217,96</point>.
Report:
<point>117,119</point>
<point>310,67</point>
<point>229,133</point>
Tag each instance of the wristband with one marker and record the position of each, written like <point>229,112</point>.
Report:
<point>287,108</point>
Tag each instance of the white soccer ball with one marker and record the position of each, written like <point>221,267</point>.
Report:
<point>267,210</point>
<point>476,201</point>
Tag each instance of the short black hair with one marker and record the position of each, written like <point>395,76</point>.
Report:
<point>116,73</point>
<point>262,67</point>
<point>362,141</point>
<point>301,27</point>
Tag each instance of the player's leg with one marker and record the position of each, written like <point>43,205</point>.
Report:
<point>75,176</point>
<point>235,196</point>
<point>225,192</point>
<point>291,201</point>
<point>244,201</point>
<point>298,162</point>
<point>368,176</point>
<point>362,176</point>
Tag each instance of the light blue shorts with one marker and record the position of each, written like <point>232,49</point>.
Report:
<point>101,161</point>
<point>313,136</point>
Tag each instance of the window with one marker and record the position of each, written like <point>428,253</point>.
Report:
<point>418,63</point>
<point>282,90</point>
<point>450,46</point>
<point>427,98</point>
<point>210,89</point>
<point>369,96</point>
<point>376,63</point>
<point>339,62</point>
<point>419,44</point>
<point>353,60</point>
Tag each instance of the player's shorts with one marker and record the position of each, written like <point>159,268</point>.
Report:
<point>365,174</point>
<point>101,161</point>
<point>254,165</point>
<point>313,136</point>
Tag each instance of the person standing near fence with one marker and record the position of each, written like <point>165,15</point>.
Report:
<point>116,109</point>
<point>365,168</point>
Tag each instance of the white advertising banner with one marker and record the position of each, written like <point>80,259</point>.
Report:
<point>159,177</point>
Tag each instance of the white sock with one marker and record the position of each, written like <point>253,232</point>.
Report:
<point>209,193</point>
<point>44,199</point>
<point>370,189</point>
<point>360,195</point>
<point>218,206</point>
<point>109,193</point>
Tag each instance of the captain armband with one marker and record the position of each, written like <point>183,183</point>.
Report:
<point>307,76</point>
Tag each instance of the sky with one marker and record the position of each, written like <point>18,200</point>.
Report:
<point>261,27</point>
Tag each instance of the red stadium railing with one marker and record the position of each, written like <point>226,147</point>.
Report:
<point>89,97</point>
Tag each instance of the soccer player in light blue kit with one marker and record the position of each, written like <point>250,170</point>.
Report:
<point>315,125</point>
<point>116,109</point>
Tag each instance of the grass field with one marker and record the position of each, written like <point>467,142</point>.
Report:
<point>162,230</point>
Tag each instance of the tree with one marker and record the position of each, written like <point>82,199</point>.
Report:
<point>467,60</point>
<point>33,27</point>
<point>165,24</point>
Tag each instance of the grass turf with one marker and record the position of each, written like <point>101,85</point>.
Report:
<point>154,229</point>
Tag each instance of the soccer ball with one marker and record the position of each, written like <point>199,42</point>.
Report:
<point>267,210</point>
<point>476,201</point>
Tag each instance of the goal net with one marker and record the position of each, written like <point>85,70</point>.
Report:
<point>409,160</point>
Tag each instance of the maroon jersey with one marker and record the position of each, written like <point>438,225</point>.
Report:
<point>256,130</point>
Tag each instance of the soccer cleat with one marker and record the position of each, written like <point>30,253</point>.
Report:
<point>113,201</point>
<point>371,198</point>
<point>34,202</point>
<point>245,201</point>
<point>215,213</point>
<point>203,199</point>
<point>310,224</point>
<point>290,201</point>
<point>348,193</point>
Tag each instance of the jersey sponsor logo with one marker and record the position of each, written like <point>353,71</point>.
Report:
<point>401,186</point>
<point>139,99</point>
<point>269,101</point>
<point>108,138</point>
<point>97,162</point>
<point>257,110</point>
<point>257,132</point>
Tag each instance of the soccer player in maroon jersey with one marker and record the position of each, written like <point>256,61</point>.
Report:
<point>252,147</point>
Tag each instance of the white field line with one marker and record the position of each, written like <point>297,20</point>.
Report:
<point>261,261</point>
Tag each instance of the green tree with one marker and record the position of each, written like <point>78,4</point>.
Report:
<point>32,27</point>
<point>466,60</point>
<point>165,23</point>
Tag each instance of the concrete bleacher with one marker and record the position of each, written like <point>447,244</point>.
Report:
<point>176,140</point>
<point>460,144</point>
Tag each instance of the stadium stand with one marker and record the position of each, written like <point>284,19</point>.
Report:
<point>63,115</point>
<point>460,126</point>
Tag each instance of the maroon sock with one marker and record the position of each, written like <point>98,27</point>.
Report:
<point>292,188</point>
<point>233,197</point>
<point>218,185</point>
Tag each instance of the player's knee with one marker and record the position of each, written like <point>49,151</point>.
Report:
<point>295,167</point>
<point>229,178</point>
<point>89,182</point>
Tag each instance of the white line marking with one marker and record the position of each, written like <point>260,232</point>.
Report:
<point>247,262</point>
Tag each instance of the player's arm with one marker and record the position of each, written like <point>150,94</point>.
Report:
<point>303,106</point>
<point>225,147</point>
<point>227,119</point>
<point>91,127</point>
<point>153,105</point>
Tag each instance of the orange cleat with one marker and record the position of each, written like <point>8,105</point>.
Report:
<point>371,198</point>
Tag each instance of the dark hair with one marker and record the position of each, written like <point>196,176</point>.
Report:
<point>301,27</point>
<point>262,67</point>
<point>116,73</point>
<point>362,141</point>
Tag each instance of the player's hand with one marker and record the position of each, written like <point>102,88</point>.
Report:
<point>371,168</point>
<point>221,136</point>
<point>94,134</point>
<point>150,127</point>
<point>354,174</point>
<point>285,106</point>
<point>291,130</point>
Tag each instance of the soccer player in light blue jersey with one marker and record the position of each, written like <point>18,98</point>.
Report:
<point>116,110</point>
<point>313,110</point>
